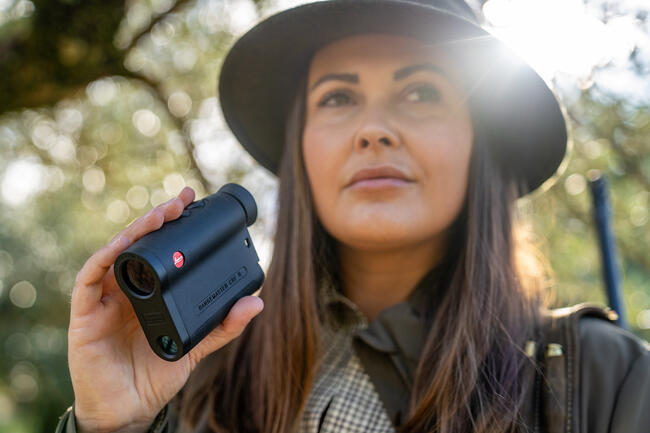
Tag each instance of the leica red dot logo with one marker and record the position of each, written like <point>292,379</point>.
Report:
<point>178,259</point>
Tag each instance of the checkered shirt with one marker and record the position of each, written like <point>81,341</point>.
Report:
<point>343,398</point>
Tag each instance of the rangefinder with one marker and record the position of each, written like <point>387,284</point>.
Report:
<point>183,278</point>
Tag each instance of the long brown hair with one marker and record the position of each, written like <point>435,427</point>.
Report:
<point>469,374</point>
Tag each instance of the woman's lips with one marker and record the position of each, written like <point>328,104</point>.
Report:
<point>379,183</point>
<point>379,177</point>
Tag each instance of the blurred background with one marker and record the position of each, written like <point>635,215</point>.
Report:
<point>108,107</point>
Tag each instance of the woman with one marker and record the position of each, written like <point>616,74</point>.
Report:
<point>396,298</point>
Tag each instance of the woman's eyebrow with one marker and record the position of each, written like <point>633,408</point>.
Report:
<point>399,74</point>
<point>408,70</point>
<point>350,78</point>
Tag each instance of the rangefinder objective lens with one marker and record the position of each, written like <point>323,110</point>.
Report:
<point>167,345</point>
<point>141,277</point>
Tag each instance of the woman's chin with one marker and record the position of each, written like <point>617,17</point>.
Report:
<point>379,236</point>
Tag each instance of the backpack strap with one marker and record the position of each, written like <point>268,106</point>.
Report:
<point>557,357</point>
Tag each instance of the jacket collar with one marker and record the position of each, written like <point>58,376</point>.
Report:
<point>398,329</point>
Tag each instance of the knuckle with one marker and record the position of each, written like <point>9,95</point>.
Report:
<point>177,202</point>
<point>157,216</point>
<point>230,332</point>
<point>234,330</point>
<point>81,275</point>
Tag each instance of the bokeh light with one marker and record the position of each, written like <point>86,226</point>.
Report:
<point>23,379</point>
<point>173,184</point>
<point>94,180</point>
<point>575,184</point>
<point>179,104</point>
<point>118,211</point>
<point>22,179</point>
<point>643,319</point>
<point>23,294</point>
<point>137,196</point>
<point>101,92</point>
<point>159,196</point>
<point>146,122</point>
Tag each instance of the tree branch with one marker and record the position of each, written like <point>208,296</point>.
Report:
<point>159,94</point>
<point>154,21</point>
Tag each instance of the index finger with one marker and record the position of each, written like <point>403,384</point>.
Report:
<point>88,288</point>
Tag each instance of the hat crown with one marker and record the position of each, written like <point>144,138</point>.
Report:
<point>458,7</point>
<point>527,131</point>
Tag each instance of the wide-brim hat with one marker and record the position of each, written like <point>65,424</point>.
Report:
<point>520,115</point>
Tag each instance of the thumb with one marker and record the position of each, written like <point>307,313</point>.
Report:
<point>232,326</point>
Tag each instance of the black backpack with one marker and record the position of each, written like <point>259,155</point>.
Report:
<point>556,356</point>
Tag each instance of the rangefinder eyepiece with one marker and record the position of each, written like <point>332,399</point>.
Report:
<point>183,278</point>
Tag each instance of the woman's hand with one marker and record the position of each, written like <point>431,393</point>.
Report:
<point>119,383</point>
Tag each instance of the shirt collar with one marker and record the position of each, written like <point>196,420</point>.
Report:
<point>399,319</point>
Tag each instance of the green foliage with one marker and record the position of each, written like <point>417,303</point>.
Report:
<point>75,173</point>
<point>612,138</point>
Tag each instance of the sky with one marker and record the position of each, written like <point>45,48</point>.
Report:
<point>568,41</point>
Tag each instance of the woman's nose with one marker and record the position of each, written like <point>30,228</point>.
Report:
<point>375,132</point>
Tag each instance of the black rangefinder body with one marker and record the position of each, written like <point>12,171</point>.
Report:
<point>183,278</point>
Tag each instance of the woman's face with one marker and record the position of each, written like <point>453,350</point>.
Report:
<point>389,105</point>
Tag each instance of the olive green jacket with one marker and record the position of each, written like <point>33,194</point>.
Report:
<point>367,375</point>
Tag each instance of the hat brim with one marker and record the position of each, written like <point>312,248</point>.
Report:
<point>259,77</point>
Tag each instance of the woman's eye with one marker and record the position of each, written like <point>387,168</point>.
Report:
<point>334,99</point>
<point>423,94</point>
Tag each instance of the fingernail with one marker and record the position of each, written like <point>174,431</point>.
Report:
<point>260,304</point>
